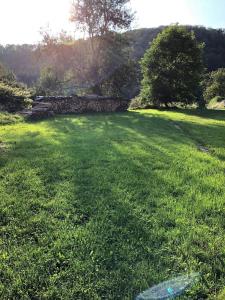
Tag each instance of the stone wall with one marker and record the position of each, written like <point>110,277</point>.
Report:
<point>84,104</point>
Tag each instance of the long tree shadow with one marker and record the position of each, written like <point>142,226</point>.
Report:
<point>160,141</point>
<point>108,197</point>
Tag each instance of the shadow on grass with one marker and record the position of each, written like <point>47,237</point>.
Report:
<point>110,208</point>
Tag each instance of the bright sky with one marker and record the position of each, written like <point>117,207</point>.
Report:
<point>21,20</point>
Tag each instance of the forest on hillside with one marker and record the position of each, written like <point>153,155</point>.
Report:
<point>63,64</point>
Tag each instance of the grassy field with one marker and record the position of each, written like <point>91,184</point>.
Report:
<point>104,206</point>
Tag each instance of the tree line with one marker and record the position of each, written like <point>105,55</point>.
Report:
<point>107,61</point>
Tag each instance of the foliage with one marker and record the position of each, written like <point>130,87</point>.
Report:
<point>213,39</point>
<point>14,89</point>
<point>99,17</point>
<point>23,60</point>
<point>121,82</point>
<point>6,75</point>
<point>49,83</point>
<point>92,72</point>
<point>6,118</point>
<point>216,103</point>
<point>221,295</point>
<point>215,85</point>
<point>138,103</point>
<point>116,72</point>
<point>100,20</point>
<point>13,96</point>
<point>172,68</point>
<point>68,55</point>
<point>104,206</point>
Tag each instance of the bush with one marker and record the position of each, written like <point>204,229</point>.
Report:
<point>138,103</point>
<point>216,103</point>
<point>218,99</point>
<point>221,295</point>
<point>14,96</point>
<point>215,85</point>
<point>6,118</point>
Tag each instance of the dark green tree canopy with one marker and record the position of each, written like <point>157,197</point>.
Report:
<point>172,68</point>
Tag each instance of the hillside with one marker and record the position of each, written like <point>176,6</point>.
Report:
<point>25,60</point>
<point>214,40</point>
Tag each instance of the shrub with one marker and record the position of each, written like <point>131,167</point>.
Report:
<point>13,96</point>
<point>6,118</point>
<point>216,103</point>
<point>137,103</point>
<point>6,75</point>
<point>221,295</point>
<point>215,85</point>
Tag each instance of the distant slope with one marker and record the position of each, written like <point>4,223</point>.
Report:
<point>214,40</point>
<point>25,62</point>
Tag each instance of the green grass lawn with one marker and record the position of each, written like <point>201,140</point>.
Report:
<point>104,206</point>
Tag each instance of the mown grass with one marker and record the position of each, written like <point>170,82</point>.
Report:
<point>104,206</point>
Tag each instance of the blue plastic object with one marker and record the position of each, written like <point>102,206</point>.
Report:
<point>169,289</point>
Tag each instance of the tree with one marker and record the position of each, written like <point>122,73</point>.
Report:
<point>114,68</point>
<point>6,75</point>
<point>122,82</point>
<point>172,68</point>
<point>48,83</point>
<point>215,85</point>
<point>98,17</point>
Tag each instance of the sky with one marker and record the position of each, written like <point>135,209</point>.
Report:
<point>21,20</point>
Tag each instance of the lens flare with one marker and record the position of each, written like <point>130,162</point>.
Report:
<point>169,289</point>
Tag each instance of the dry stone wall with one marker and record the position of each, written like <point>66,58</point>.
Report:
<point>84,104</point>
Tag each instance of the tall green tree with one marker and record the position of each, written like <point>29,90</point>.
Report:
<point>100,20</point>
<point>172,68</point>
